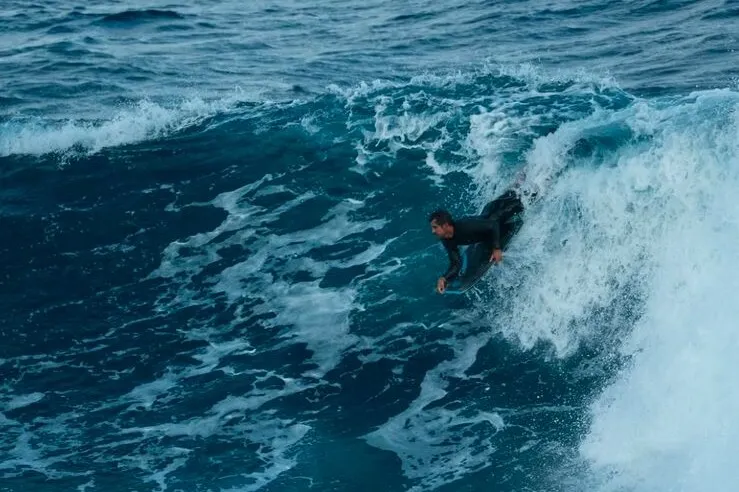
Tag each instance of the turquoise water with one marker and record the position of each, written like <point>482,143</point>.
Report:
<point>217,272</point>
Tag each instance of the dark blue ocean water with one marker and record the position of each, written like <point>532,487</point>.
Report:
<point>217,275</point>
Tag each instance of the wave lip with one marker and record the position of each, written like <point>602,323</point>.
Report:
<point>145,120</point>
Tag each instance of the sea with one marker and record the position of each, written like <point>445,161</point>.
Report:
<point>217,271</point>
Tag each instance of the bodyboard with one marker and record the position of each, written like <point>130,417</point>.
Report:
<point>476,263</point>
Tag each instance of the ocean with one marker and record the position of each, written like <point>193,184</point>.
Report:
<point>217,272</point>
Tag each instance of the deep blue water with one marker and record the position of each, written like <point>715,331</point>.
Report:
<point>217,272</point>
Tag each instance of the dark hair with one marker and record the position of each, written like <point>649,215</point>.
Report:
<point>441,217</point>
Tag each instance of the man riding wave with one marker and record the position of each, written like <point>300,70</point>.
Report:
<point>493,224</point>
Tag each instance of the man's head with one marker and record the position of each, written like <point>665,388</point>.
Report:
<point>442,224</point>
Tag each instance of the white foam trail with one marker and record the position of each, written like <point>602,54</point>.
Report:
<point>319,316</point>
<point>278,437</point>
<point>27,453</point>
<point>23,401</point>
<point>146,394</point>
<point>161,464</point>
<point>433,448</point>
<point>87,485</point>
<point>233,415</point>
<point>175,264</point>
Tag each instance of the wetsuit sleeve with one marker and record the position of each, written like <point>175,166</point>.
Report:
<point>493,227</point>
<point>455,261</point>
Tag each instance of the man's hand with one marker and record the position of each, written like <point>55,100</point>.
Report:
<point>441,285</point>
<point>497,255</point>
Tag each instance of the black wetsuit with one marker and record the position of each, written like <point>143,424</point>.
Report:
<point>491,226</point>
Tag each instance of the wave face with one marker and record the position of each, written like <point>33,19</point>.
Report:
<point>226,282</point>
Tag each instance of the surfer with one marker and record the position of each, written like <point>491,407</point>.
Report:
<point>489,227</point>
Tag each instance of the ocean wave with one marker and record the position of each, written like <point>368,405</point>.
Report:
<point>142,121</point>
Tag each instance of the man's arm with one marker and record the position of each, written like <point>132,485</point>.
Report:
<point>492,227</point>
<point>455,265</point>
<point>455,261</point>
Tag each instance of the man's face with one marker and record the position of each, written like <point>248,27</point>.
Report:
<point>441,231</point>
